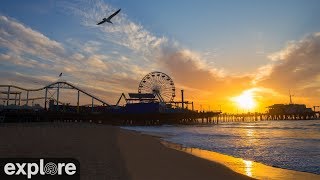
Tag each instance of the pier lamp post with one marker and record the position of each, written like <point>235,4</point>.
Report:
<point>182,99</point>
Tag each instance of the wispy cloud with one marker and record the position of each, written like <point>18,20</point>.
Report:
<point>151,52</point>
<point>296,67</point>
<point>33,58</point>
<point>21,39</point>
<point>132,35</point>
<point>123,32</point>
<point>284,53</point>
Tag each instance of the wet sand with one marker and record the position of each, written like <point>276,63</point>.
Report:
<point>107,152</point>
<point>147,158</point>
<point>246,167</point>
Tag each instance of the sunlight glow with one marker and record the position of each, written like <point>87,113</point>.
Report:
<point>248,167</point>
<point>245,100</point>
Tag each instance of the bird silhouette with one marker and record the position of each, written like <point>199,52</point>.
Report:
<point>60,74</point>
<point>109,18</point>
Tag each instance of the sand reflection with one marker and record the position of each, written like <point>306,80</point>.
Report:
<point>246,167</point>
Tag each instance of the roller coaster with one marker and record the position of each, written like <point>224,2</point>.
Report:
<point>155,87</point>
<point>152,105</point>
<point>16,91</point>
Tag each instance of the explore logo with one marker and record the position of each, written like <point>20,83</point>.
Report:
<point>43,168</point>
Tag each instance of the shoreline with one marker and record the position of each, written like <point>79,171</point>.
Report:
<point>249,168</point>
<point>162,162</point>
<point>109,152</point>
<point>246,167</point>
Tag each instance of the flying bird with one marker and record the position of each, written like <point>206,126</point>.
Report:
<point>60,74</point>
<point>109,18</point>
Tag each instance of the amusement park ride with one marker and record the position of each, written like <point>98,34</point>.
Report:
<point>159,84</point>
<point>153,104</point>
<point>154,88</point>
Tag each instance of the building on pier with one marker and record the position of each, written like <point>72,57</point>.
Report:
<point>289,111</point>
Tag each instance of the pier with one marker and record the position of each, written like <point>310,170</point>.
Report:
<point>112,118</point>
<point>186,118</point>
<point>153,104</point>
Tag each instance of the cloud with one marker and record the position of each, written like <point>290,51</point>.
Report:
<point>20,79</point>
<point>150,49</point>
<point>297,64</point>
<point>16,60</point>
<point>21,39</point>
<point>24,47</point>
<point>123,31</point>
<point>153,53</point>
<point>283,54</point>
<point>92,47</point>
<point>296,67</point>
<point>29,58</point>
<point>140,52</point>
<point>35,81</point>
<point>188,69</point>
<point>202,83</point>
<point>97,62</point>
<point>116,60</point>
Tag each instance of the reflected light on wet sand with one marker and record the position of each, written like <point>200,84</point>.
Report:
<point>246,167</point>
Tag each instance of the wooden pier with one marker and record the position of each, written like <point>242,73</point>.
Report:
<point>148,119</point>
<point>251,117</point>
<point>191,117</point>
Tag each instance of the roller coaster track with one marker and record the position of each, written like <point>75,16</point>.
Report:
<point>58,85</point>
<point>37,98</point>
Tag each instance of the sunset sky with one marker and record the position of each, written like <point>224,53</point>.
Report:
<point>240,55</point>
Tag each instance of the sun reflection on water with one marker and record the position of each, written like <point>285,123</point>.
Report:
<point>248,167</point>
<point>250,133</point>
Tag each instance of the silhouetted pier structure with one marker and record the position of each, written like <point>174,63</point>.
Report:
<point>183,118</point>
<point>112,118</point>
<point>251,117</point>
<point>140,108</point>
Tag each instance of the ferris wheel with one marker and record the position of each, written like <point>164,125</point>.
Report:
<point>159,84</point>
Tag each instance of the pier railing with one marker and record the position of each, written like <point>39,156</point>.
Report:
<point>189,117</point>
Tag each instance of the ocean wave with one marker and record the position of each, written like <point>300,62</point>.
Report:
<point>259,127</point>
<point>316,124</point>
<point>285,144</point>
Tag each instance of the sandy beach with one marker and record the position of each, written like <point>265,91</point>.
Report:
<point>107,152</point>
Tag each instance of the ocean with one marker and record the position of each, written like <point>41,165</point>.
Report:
<point>287,144</point>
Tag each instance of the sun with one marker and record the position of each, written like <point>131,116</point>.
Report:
<point>245,100</point>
